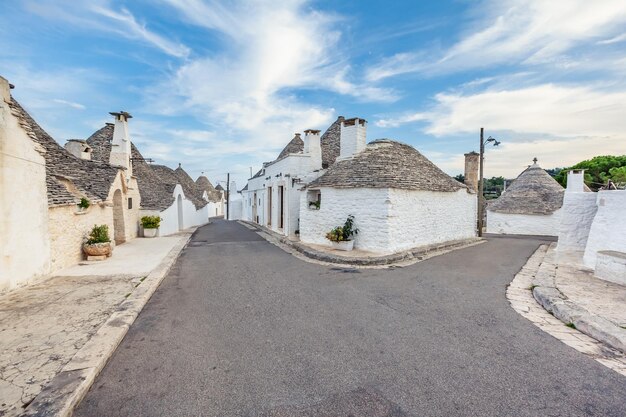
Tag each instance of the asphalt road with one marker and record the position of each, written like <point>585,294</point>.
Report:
<point>241,328</point>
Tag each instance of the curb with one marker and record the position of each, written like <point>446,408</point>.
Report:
<point>552,300</point>
<point>415,254</point>
<point>65,391</point>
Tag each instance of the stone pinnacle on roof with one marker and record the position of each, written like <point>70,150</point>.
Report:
<point>534,191</point>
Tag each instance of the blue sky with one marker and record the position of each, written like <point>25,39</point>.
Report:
<point>222,85</point>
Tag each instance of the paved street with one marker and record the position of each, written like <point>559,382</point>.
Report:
<point>241,328</point>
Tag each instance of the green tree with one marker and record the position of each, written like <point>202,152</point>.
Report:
<point>460,178</point>
<point>597,170</point>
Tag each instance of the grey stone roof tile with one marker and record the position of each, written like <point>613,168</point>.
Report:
<point>91,179</point>
<point>534,191</point>
<point>386,163</point>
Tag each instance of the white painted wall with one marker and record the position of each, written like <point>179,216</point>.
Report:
<point>611,266</point>
<point>390,220</point>
<point>367,205</point>
<point>24,244</point>
<point>608,229</point>
<point>169,216</point>
<point>524,224</point>
<point>418,218</point>
<point>353,138</point>
<point>577,213</point>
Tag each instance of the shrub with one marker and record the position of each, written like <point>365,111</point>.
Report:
<point>151,222</point>
<point>343,233</point>
<point>84,203</point>
<point>99,234</point>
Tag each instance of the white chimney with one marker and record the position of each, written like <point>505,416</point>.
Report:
<point>353,136</point>
<point>313,147</point>
<point>78,148</point>
<point>575,181</point>
<point>120,149</point>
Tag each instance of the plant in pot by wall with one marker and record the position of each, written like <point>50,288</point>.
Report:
<point>341,236</point>
<point>150,225</point>
<point>98,243</point>
<point>314,205</point>
<point>84,204</point>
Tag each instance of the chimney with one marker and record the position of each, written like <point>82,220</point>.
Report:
<point>313,147</point>
<point>5,90</point>
<point>472,161</point>
<point>78,148</point>
<point>353,135</point>
<point>120,149</point>
<point>575,181</point>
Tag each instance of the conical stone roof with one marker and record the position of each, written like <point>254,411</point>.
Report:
<point>385,163</point>
<point>534,191</point>
<point>205,185</point>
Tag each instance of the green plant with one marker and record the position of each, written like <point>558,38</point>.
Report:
<point>84,203</point>
<point>571,325</point>
<point>315,204</point>
<point>151,222</point>
<point>343,233</point>
<point>99,234</point>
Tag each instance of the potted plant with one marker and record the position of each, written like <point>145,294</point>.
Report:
<point>84,204</point>
<point>314,205</point>
<point>150,225</point>
<point>98,243</point>
<point>341,236</point>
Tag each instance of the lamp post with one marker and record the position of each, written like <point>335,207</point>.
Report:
<point>481,197</point>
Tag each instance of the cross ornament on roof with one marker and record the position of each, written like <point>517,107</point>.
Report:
<point>535,160</point>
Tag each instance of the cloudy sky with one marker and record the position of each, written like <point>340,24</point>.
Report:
<point>222,85</point>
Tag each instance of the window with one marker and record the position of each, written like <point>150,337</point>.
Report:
<point>130,203</point>
<point>314,199</point>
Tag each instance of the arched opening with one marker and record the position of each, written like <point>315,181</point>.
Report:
<point>119,231</point>
<point>180,212</point>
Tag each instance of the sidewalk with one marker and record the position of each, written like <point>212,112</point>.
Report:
<point>47,326</point>
<point>356,257</point>
<point>567,302</point>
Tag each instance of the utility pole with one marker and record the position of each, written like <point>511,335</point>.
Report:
<point>228,196</point>
<point>480,184</point>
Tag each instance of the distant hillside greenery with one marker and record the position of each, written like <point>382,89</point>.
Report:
<point>598,171</point>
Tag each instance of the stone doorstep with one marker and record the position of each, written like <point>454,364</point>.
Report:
<point>417,253</point>
<point>548,295</point>
<point>66,389</point>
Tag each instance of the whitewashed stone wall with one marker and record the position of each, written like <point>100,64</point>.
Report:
<point>215,209</point>
<point>418,218</point>
<point>611,266</point>
<point>608,229</point>
<point>524,224</point>
<point>367,205</point>
<point>24,244</point>
<point>169,217</point>
<point>577,213</point>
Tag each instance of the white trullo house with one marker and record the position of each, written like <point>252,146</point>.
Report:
<point>530,206</point>
<point>399,199</point>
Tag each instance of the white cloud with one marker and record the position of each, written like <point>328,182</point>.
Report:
<point>271,50</point>
<point>100,15</point>
<point>70,104</point>
<point>516,32</point>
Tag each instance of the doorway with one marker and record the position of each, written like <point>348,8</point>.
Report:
<point>119,229</point>
<point>281,207</point>
<point>269,206</point>
<point>179,203</point>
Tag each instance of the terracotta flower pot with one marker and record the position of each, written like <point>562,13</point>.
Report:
<point>98,249</point>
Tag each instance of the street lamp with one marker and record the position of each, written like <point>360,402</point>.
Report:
<point>481,197</point>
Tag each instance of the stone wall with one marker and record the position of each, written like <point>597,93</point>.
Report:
<point>367,205</point>
<point>608,229</point>
<point>419,218</point>
<point>524,224</point>
<point>24,245</point>
<point>577,213</point>
<point>69,227</point>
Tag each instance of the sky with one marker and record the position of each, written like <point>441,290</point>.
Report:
<point>222,86</point>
